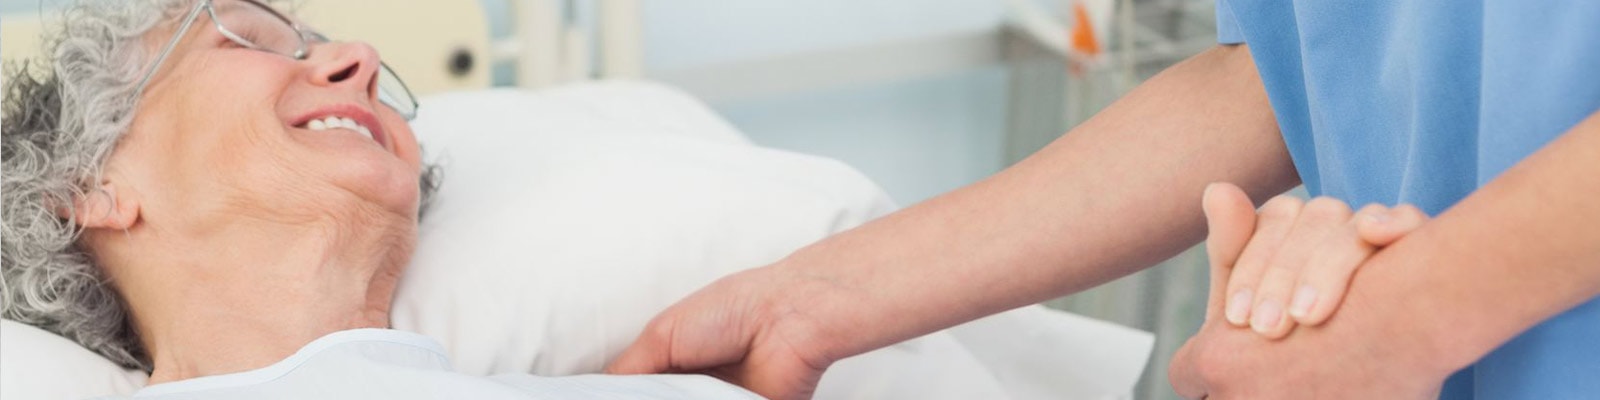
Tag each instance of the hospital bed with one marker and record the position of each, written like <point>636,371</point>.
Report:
<point>579,91</point>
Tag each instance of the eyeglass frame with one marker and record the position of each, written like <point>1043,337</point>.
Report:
<point>306,36</point>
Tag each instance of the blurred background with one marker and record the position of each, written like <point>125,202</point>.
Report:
<point>923,96</point>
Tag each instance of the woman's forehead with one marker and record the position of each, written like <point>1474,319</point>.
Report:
<point>250,6</point>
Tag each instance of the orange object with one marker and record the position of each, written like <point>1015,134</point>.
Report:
<point>1082,38</point>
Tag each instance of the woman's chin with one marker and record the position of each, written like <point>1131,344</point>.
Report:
<point>364,167</point>
<point>389,183</point>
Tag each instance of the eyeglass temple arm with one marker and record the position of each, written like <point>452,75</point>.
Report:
<point>177,37</point>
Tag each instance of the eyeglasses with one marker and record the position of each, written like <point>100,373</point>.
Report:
<point>256,26</point>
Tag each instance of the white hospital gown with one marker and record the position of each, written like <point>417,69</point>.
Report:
<point>390,364</point>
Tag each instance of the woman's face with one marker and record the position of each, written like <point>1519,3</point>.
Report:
<point>223,132</point>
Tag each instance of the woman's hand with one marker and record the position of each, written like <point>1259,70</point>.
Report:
<point>744,329</point>
<point>1321,243</point>
<point>1300,256</point>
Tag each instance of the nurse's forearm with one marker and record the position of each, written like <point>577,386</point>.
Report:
<point>1521,249</point>
<point>1117,194</point>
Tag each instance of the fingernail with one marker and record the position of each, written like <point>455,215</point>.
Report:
<point>1304,298</point>
<point>1378,218</point>
<point>1203,196</point>
<point>1239,307</point>
<point>1266,316</point>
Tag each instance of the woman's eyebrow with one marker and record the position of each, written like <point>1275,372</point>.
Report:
<point>227,5</point>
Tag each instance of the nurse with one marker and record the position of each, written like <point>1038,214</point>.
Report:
<point>1482,113</point>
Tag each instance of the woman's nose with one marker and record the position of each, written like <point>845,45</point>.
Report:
<point>346,64</point>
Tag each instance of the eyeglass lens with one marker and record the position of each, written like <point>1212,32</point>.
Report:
<point>265,30</point>
<point>258,26</point>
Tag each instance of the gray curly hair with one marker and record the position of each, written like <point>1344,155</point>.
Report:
<point>60,125</point>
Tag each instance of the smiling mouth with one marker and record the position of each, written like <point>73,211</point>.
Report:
<point>336,122</point>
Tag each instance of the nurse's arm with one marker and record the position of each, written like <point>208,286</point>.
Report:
<point>1113,196</point>
<point>1522,249</point>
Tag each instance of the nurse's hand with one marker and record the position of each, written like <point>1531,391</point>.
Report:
<point>738,329</point>
<point>1300,255</point>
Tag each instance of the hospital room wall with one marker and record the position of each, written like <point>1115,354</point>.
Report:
<point>917,137</point>
<point>12,6</point>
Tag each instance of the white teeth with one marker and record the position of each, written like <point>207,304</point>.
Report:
<point>333,122</point>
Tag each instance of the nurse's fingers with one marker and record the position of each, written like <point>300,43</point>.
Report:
<point>1273,223</point>
<point>1317,220</point>
<point>1327,273</point>
<point>1230,221</point>
<point>1383,229</point>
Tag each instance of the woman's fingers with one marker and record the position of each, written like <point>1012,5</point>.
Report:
<point>1297,262</point>
<point>1230,221</point>
<point>731,329</point>
<point>710,342</point>
<point>1326,275</point>
<point>711,328</point>
<point>1318,220</point>
<point>648,353</point>
<point>1385,228</point>
<point>1273,223</point>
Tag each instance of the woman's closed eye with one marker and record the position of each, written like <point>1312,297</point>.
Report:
<point>222,41</point>
<point>225,43</point>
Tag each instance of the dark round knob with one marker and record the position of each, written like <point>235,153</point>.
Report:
<point>460,62</point>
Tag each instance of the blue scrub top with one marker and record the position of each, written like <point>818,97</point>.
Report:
<point>1422,102</point>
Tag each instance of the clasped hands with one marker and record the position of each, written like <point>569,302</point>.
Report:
<point>1279,274</point>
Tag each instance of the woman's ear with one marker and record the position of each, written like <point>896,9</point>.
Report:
<point>106,208</point>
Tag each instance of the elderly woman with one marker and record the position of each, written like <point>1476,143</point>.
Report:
<point>213,193</point>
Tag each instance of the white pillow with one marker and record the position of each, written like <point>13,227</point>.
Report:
<point>35,364</point>
<point>571,216</point>
<point>557,235</point>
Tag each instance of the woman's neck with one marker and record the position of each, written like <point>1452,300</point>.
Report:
<point>261,292</point>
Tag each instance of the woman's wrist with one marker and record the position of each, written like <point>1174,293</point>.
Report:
<point>829,312</point>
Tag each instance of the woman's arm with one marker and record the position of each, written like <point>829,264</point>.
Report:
<point>1114,195</point>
